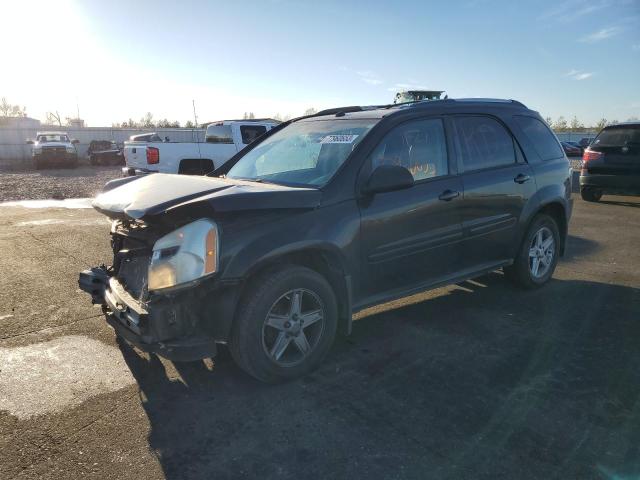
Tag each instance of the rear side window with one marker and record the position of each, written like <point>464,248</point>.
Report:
<point>484,143</point>
<point>250,132</point>
<point>544,142</point>
<point>219,134</point>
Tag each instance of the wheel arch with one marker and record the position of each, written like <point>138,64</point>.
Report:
<point>322,259</point>
<point>556,208</point>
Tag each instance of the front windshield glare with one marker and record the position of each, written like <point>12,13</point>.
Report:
<point>303,153</point>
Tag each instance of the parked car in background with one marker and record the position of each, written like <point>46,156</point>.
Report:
<point>325,216</point>
<point>585,142</point>
<point>611,164</point>
<point>105,152</point>
<point>571,150</point>
<point>577,145</point>
<point>147,153</point>
<point>54,149</point>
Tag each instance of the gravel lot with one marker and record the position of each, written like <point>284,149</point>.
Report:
<point>84,181</point>
<point>477,380</point>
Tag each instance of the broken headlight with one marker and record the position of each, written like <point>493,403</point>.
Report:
<point>184,255</point>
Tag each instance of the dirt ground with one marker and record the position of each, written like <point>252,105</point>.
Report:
<point>58,183</point>
<point>477,380</point>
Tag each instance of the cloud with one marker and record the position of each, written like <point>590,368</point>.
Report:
<point>578,75</point>
<point>571,10</point>
<point>369,77</point>
<point>601,34</point>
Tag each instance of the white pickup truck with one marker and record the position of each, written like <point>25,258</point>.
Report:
<point>147,153</point>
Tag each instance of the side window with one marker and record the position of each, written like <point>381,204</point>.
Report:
<point>544,142</point>
<point>219,134</point>
<point>484,143</point>
<point>250,132</point>
<point>419,146</point>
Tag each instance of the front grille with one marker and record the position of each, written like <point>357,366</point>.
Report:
<point>133,273</point>
<point>54,152</point>
<point>132,243</point>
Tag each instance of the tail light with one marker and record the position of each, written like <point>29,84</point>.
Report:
<point>153,155</point>
<point>589,155</point>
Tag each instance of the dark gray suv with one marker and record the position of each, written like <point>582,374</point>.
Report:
<point>326,215</point>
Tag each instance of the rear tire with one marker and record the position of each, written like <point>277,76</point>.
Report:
<point>538,256</point>
<point>590,194</point>
<point>286,324</point>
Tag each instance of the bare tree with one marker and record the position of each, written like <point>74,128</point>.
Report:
<point>576,124</point>
<point>54,118</point>
<point>147,121</point>
<point>9,110</point>
<point>549,121</point>
<point>310,111</point>
<point>189,124</point>
<point>601,123</point>
<point>560,124</point>
<point>164,123</point>
<point>281,118</point>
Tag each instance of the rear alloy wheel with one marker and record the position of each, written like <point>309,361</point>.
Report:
<point>591,194</point>
<point>285,325</point>
<point>538,256</point>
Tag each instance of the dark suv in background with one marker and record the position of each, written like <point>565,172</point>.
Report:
<point>324,216</point>
<point>611,164</point>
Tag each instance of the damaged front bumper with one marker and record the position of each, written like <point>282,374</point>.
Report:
<point>167,326</point>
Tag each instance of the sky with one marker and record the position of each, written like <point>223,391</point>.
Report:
<point>120,59</point>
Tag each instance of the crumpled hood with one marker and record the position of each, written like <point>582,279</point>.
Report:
<point>158,193</point>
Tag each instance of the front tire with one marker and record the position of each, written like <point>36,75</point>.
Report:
<point>286,324</point>
<point>591,194</point>
<point>538,256</point>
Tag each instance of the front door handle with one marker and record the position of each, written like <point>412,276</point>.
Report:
<point>448,195</point>
<point>521,178</point>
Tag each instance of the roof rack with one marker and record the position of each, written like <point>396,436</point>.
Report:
<point>355,108</point>
<point>488,100</point>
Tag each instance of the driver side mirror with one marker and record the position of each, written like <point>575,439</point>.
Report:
<point>75,141</point>
<point>387,178</point>
<point>30,142</point>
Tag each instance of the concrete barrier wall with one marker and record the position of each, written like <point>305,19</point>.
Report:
<point>16,154</point>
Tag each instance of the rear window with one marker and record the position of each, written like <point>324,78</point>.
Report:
<point>544,142</point>
<point>219,134</point>
<point>618,136</point>
<point>484,143</point>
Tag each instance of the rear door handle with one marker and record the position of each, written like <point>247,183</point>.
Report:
<point>521,178</point>
<point>448,195</point>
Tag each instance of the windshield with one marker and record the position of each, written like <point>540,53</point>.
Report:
<point>52,138</point>
<point>303,153</point>
<point>618,136</point>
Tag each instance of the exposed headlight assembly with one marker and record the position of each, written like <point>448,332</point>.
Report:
<point>71,150</point>
<point>184,255</point>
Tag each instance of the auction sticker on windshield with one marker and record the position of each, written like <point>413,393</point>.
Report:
<point>339,139</point>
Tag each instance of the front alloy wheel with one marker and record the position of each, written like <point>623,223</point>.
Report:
<point>285,324</point>
<point>293,327</point>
